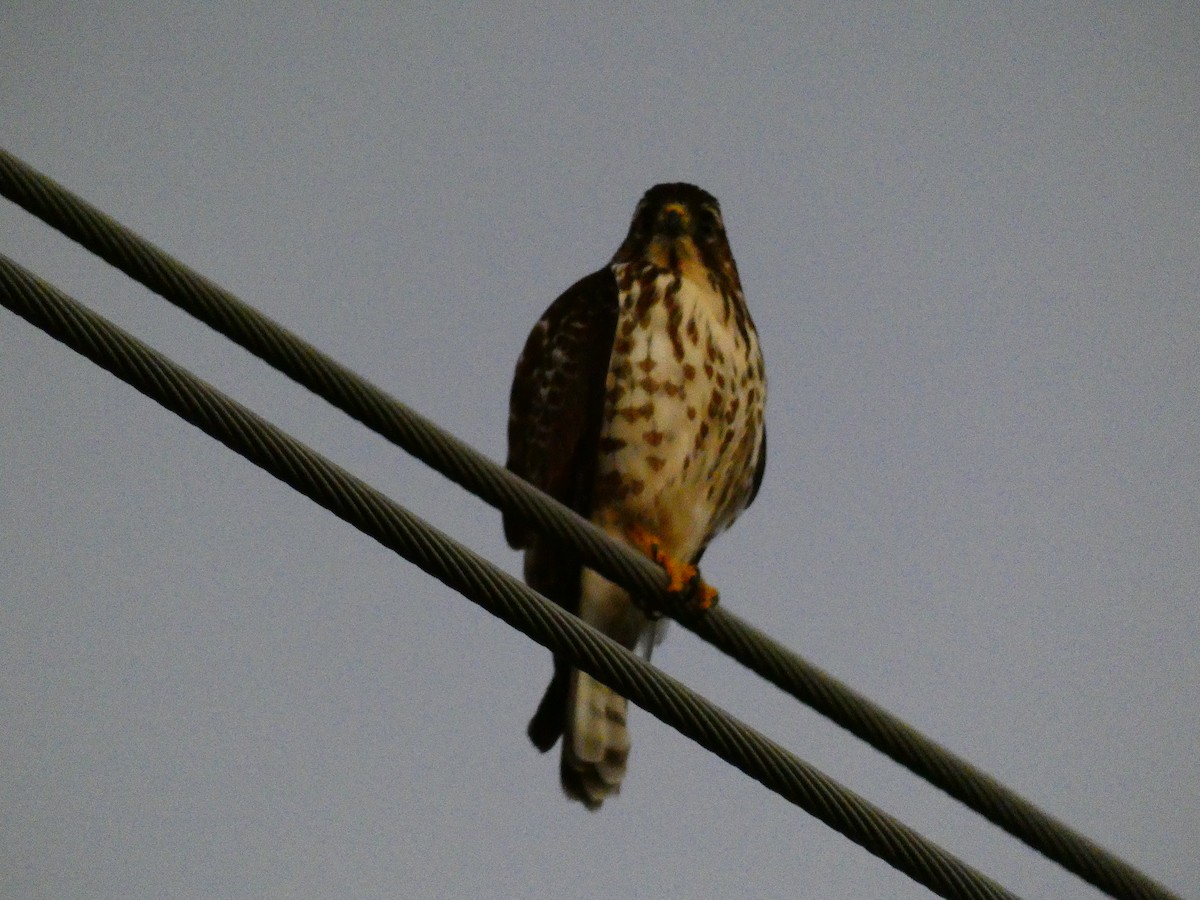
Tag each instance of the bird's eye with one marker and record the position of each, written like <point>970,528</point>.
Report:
<point>707,224</point>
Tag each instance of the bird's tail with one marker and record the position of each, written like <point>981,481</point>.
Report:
<point>548,723</point>
<point>595,741</point>
<point>589,716</point>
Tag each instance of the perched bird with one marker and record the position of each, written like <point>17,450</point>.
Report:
<point>638,402</point>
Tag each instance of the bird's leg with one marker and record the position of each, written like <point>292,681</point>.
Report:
<point>685,581</point>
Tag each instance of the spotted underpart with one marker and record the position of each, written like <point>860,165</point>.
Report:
<point>683,409</point>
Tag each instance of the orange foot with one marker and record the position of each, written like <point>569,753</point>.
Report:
<point>685,581</point>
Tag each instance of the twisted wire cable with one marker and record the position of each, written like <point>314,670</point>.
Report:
<point>499,593</point>
<point>241,323</point>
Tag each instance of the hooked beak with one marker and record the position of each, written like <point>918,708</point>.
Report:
<point>673,221</point>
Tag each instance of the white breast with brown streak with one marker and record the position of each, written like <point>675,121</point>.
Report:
<point>683,411</point>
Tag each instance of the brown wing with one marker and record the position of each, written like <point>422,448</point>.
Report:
<point>759,469</point>
<point>557,397</point>
<point>555,412</point>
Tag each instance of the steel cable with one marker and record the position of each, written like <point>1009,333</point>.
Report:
<point>372,406</point>
<point>373,513</point>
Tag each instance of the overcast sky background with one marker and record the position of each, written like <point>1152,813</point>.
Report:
<point>969,234</point>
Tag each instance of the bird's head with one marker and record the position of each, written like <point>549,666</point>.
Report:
<point>678,227</point>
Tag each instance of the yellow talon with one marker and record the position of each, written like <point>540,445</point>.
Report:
<point>684,581</point>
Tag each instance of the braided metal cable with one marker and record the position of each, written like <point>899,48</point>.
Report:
<point>376,409</point>
<point>373,513</point>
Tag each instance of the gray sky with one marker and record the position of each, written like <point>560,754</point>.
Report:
<point>969,235</point>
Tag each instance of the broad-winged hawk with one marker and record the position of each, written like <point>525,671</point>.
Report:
<point>638,401</point>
